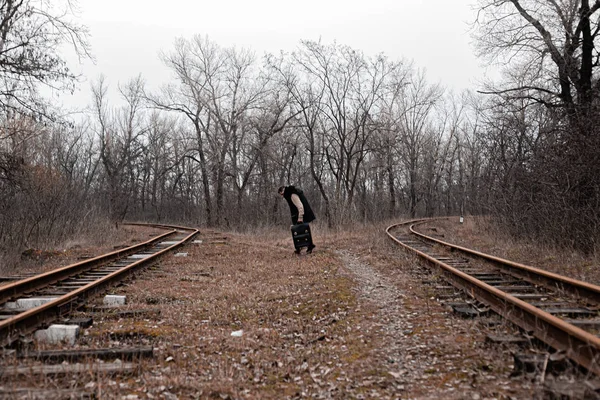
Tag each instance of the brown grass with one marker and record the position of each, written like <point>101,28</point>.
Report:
<point>478,233</point>
<point>313,326</point>
<point>104,239</point>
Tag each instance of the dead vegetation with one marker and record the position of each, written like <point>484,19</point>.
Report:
<point>105,239</point>
<point>479,234</point>
<point>243,317</point>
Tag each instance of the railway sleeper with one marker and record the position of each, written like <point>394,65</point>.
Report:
<point>516,288</point>
<point>109,271</point>
<point>504,282</point>
<point>117,264</point>
<point>540,364</point>
<point>144,255</point>
<point>82,322</point>
<point>112,267</point>
<point>483,276</point>
<point>95,275</point>
<point>166,244</point>
<point>508,340</point>
<point>454,295</point>
<point>459,266</point>
<point>27,302</point>
<point>556,304</point>
<point>481,272</point>
<point>452,261</point>
<point>467,310</point>
<point>81,282</point>
<point>571,312</point>
<point>530,296</point>
<point>74,355</point>
<point>12,311</point>
<point>493,278</point>
<point>136,256</point>
<point>54,292</point>
<point>69,287</point>
<point>584,323</point>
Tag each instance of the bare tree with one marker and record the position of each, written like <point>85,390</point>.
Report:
<point>119,131</point>
<point>387,137</point>
<point>337,91</point>
<point>553,44</point>
<point>249,149</point>
<point>417,104</point>
<point>552,57</point>
<point>32,38</point>
<point>157,160</point>
<point>216,93</point>
<point>306,99</point>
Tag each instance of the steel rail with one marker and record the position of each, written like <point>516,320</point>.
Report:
<point>24,323</point>
<point>577,344</point>
<point>162,226</point>
<point>36,282</point>
<point>579,289</point>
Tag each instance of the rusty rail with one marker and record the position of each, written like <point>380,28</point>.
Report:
<point>26,322</point>
<point>30,284</point>
<point>577,344</point>
<point>579,289</point>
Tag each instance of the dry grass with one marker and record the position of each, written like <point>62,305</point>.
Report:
<point>478,233</point>
<point>353,320</point>
<point>104,239</point>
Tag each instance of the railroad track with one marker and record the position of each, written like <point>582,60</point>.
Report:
<point>27,304</point>
<point>560,311</point>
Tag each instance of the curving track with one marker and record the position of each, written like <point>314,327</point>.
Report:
<point>29,303</point>
<point>560,311</point>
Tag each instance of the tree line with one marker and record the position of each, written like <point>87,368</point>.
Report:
<point>366,137</point>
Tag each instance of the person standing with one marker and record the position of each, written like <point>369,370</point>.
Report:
<point>299,209</point>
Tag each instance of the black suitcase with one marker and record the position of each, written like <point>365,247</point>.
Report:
<point>301,235</point>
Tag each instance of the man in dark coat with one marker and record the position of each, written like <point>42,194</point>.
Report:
<point>299,208</point>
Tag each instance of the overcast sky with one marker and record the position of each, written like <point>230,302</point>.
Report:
<point>127,35</point>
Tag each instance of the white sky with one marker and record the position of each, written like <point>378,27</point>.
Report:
<point>127,35</point>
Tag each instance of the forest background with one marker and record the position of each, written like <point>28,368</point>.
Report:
<point>368,138</point>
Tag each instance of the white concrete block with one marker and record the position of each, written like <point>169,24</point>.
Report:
<point>58,334</point>
<point>139,256</point>
<point>169,242</point>
<point>28,303</point>
<point>114,300</point>
<point>181,254</point>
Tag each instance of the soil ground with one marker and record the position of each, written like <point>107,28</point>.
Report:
<point>242,317</point>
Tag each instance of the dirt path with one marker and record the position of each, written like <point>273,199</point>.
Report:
<point>431,353</point>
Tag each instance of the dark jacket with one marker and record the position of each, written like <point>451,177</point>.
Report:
<point>308,213</point>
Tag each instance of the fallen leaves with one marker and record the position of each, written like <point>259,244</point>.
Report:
<point>241,317</point>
